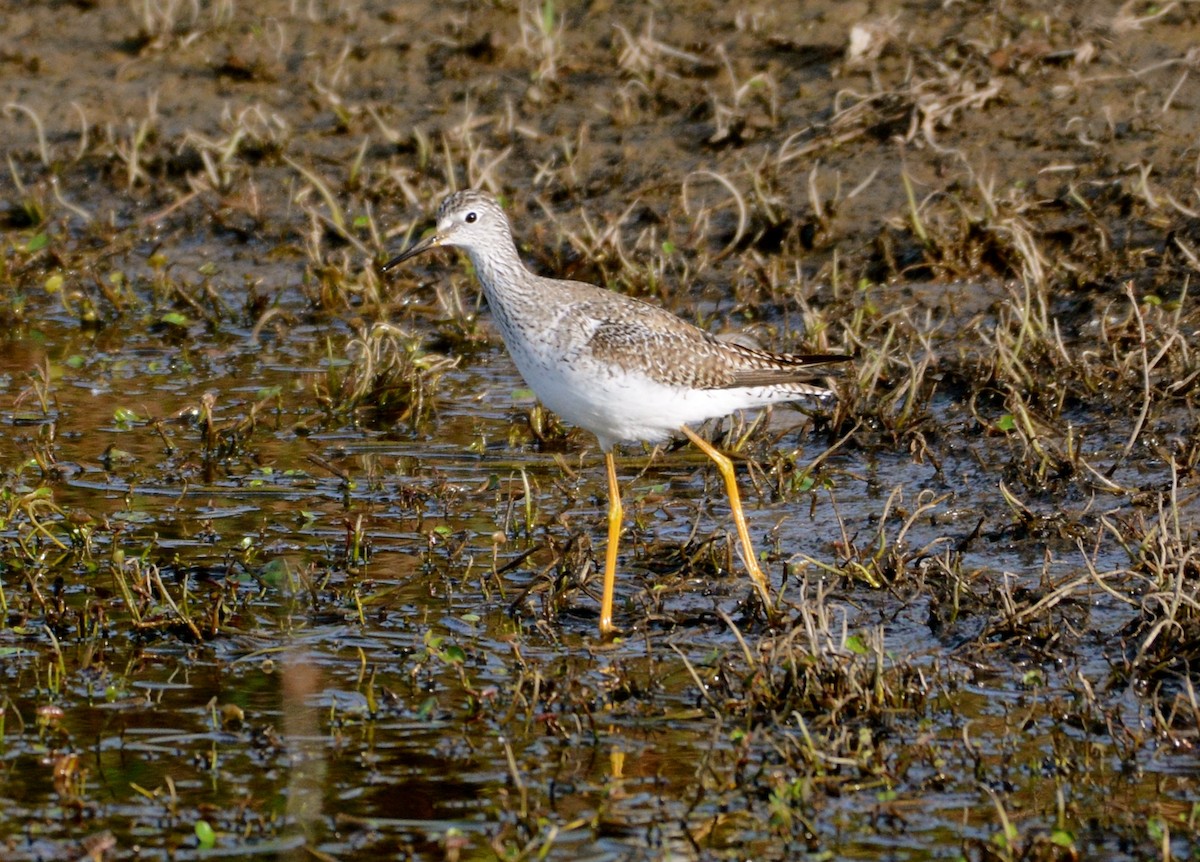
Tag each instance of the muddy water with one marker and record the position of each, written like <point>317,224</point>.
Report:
<point>246,605</point>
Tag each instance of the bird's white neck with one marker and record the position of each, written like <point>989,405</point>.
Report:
<point>500,271</point>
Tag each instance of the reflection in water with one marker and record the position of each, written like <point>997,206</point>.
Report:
<point>307,754</point>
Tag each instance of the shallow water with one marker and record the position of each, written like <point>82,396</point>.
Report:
<point>239,595</point>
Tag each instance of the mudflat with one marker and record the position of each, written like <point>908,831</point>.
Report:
<point>293,563</point>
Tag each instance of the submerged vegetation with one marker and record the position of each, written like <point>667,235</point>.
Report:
<point>292,563</point>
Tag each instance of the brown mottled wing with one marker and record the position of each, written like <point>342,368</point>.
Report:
<point>762,368</point>
<point>675,352</point>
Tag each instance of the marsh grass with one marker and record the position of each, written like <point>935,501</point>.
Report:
<point>1162,641</point>
<point>229,442</point>
<point>388,375</point>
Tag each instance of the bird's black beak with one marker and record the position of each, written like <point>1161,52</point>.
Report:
<point>431,241</point>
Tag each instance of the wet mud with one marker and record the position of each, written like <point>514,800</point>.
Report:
<point>292,563</point>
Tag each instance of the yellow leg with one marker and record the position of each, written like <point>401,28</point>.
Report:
<point>615,512</point>
<point>725,466</point>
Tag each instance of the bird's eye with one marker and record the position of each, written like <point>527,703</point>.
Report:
<point>469,218</point>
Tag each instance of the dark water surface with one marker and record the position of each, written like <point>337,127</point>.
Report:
<point>293,566</point>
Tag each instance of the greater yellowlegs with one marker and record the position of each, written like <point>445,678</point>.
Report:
<point>619,367</point>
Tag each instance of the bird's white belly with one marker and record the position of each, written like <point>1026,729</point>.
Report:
<point>619,406</point>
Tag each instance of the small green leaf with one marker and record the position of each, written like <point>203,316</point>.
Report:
<point>856,645</point>
<point>174,318</point>
<point>1156,828</point>
<point>1062,838</point>
<point>37,242</point>
<point>454,654</point>
<point>274,572</point>
<point>205,835</point>
<point>113,455</point>
<point>1006,422</point>
<point>54,283</point>
<point>1006,838</point>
